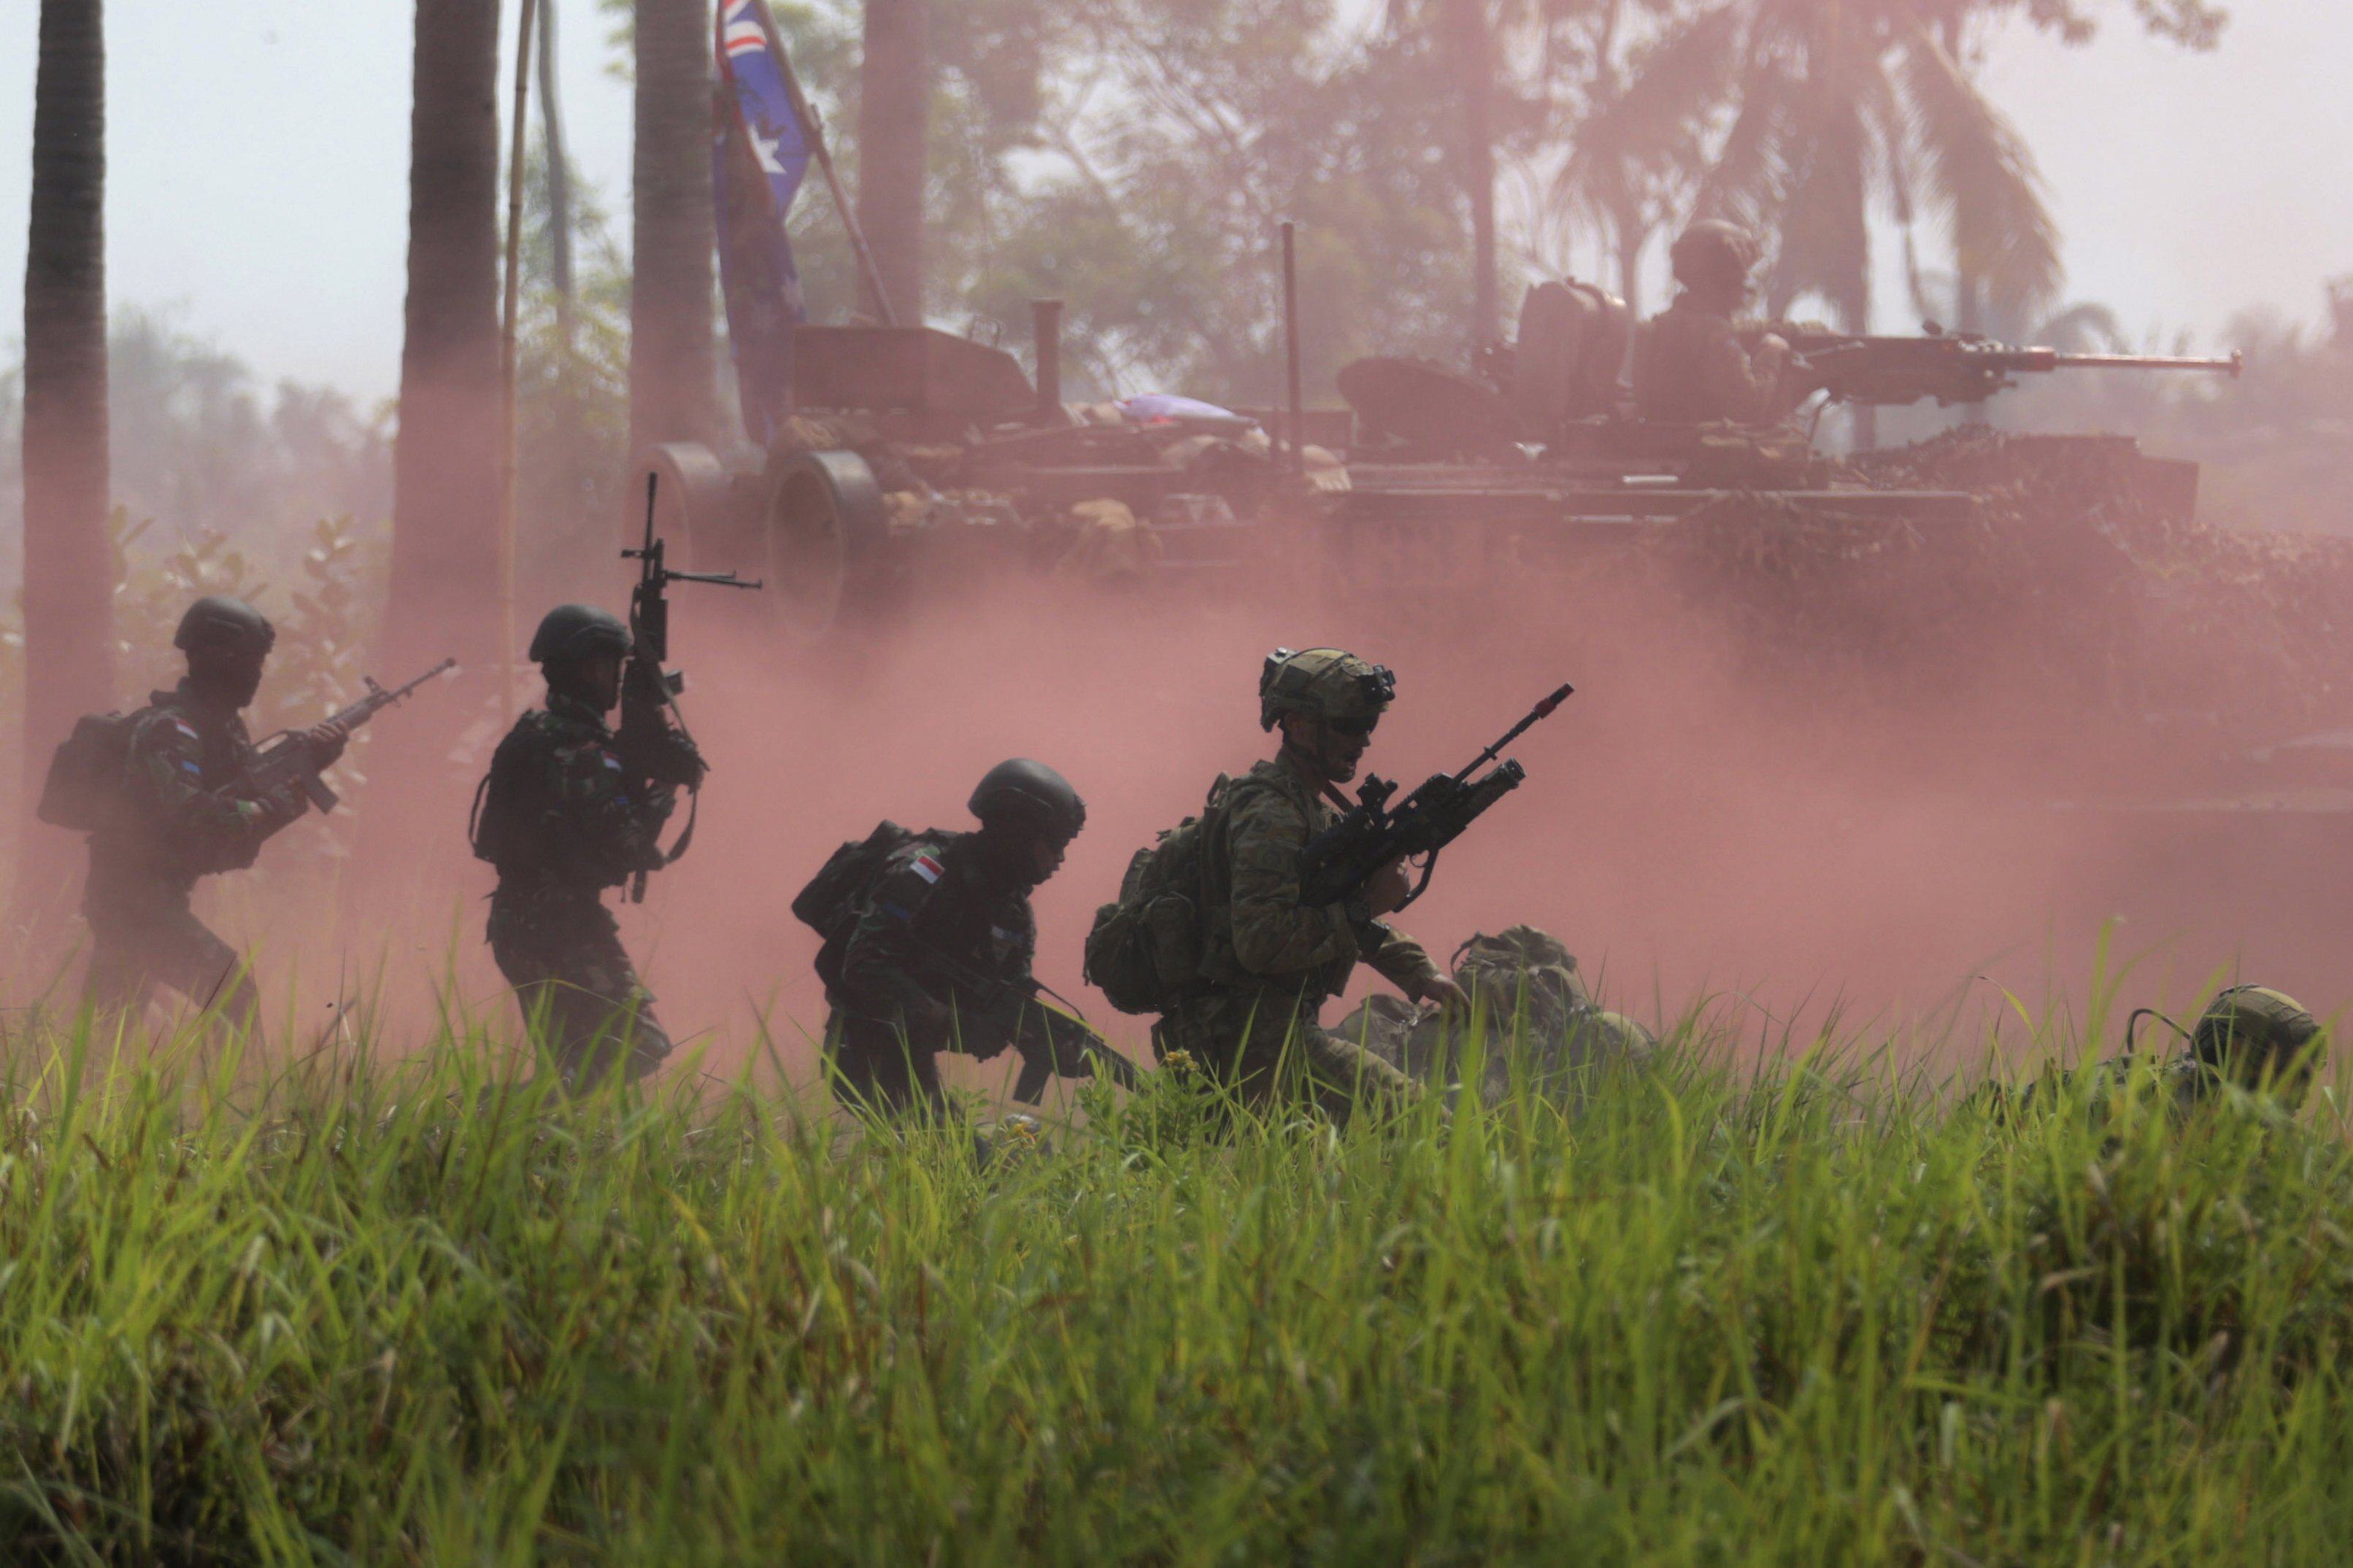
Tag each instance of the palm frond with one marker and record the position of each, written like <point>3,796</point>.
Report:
<point>1977,172</point>
<point>1825,230</point>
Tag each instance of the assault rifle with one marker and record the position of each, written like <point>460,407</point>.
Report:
<point>653,740</point>
<point>1051,1043</point>
<point>1951,367</point>
<point>287,766</point>
<point>1338,862</point>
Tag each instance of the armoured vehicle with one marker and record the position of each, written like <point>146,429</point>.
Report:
<point>915,455</point>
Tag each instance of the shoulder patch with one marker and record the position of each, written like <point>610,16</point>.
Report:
<point>927,866</point>
<point>184,728</point>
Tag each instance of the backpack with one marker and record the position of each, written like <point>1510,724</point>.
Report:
<point>498,826</point>
<point>1145,950</point>
<point>88,772</point>
<point>828,905</point>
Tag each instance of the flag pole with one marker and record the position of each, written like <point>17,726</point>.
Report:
<point>813,131</point>
<point>509,362</point>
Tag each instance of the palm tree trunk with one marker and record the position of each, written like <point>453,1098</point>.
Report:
<point>559,175</point>
<point>445,458</point>
<point>673,364</point>
<point>1471,47</point>
<point>894,115</point>
<point>69,569</point>
<point>1631,237</point>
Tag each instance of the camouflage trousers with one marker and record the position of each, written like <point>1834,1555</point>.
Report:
<point>135,948</point>
<point>878,1068</point>
<point>580,996</point>
<point>1267,1047</point>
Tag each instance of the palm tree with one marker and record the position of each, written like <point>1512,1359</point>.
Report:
<point>674,366</point>
<point>893,125</point>
<point>68,585</point>
<point>1844,103</point>
<point>445,485</point>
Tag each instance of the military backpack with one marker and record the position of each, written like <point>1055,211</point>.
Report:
<point>88,772</point>
<point>1145,950</point>
<point>828,905</point>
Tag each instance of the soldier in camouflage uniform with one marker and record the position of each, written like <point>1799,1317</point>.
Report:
<point>563,816</point>
<point>936,950</point>
<point>185,811</point>
<point>1691,364</point>
<point>2251,1037</point>
<point>1270,960</point>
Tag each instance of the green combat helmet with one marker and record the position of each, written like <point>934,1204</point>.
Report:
<point>1322,683</point>
<point>218,623</point>
<point>577,631</point>
<point>1540,1024</point>
<point>2252,1035</point>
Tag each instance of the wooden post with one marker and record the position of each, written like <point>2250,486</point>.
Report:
<point>509,350</point>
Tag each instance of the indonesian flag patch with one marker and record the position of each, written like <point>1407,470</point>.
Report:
<point>928,869</point>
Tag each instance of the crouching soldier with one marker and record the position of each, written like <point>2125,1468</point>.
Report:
<point>1271,960</point>
<point>929,943</point>
<point>565,813</point>
<point>182,807</point>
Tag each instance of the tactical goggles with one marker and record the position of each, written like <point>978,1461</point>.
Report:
<point>1357,728</point>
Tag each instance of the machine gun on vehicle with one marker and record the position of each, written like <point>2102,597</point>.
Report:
<point>653,740</point>
<point>1951,367</point>
<point>1338,862</point>
<point>286,765</point>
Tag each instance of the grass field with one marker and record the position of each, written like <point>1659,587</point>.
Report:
<point>1808,1315</point>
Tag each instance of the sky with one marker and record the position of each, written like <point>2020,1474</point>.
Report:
<point>259,149</point>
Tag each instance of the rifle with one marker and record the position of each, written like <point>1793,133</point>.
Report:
<point>1338,862</point>
<point>653,740</point>
<point>285,763</point>
<point>1952,367</point>
<point>1051,1043</point>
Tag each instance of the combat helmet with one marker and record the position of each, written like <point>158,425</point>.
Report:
<point>1323,683</point>
<point>1028,797</point>
<point>2251,1033</point>
<point>1712,253</point>
<point>222,624</point>
<point>577,631</point>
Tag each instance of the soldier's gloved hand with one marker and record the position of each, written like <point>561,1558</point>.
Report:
<point>1385,890</point>
<point>280,807</point>
<point>1447,994</point>
<point>327,742</point>
<point>931,1021</point>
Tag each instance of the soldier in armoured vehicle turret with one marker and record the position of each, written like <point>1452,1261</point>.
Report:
<point>1692,364</point>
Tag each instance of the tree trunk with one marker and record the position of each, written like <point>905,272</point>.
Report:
<point>445,460</point>
<point>68,570</point>
<point>1471,49</point>
<point>1631,237</point>
<point>673,366</point>
<point>894,117</point>
<point>558,161</point>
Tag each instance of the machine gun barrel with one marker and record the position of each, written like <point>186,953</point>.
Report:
<point>2232,366</point>
<point>1954,367</point>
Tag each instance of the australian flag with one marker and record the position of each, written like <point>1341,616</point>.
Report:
<point>760,153</point>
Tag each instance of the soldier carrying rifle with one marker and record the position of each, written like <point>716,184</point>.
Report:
<point>571,807</point>
<point>929,939</point>
<point>175,791</point>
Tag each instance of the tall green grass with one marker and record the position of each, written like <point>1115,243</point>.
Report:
<point>1804,1315</point>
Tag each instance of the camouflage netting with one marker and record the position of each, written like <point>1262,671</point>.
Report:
<point>2071,561</point>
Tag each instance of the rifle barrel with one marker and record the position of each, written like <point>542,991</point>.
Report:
<point>1544,709</point>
